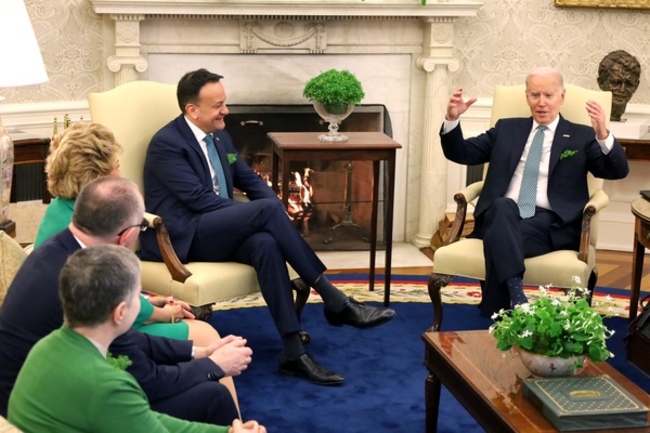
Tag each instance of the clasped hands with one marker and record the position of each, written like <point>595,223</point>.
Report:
<point>230,353</point>
<point>178,310</point>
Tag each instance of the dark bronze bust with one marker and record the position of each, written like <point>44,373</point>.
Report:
<point>619,72</point>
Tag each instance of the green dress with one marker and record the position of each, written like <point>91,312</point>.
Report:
<point>57,217</point>
<point>66,385</point>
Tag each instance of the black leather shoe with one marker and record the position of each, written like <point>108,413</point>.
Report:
<point>359,315</point>
<point>305,367</point>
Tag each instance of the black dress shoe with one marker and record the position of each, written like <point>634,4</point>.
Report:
<point>304,366</point>
<point>359,315</point>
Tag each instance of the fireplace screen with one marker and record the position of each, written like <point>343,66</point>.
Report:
<point>330,202</point>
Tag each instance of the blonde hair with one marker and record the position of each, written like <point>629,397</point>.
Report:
<point>81,153</point>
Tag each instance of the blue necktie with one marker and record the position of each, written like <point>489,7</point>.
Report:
<point>528,191</point>
<point>213,156</point>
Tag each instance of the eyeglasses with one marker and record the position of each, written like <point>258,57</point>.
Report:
<point>143,227</point>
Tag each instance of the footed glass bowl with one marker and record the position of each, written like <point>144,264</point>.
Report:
<point>334,114</point>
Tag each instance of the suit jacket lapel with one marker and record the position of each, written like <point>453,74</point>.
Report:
<point>560,140</point>
<point>191,142</point>
<point>519,139</point>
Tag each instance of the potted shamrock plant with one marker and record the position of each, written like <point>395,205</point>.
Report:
<point>334,94</point>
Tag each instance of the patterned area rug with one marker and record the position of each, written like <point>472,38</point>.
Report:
<point>413,288</point>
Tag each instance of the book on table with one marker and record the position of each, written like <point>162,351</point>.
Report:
<point>585,403</point>
<point>645,193</point>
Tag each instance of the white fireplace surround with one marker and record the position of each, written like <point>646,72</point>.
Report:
<point>401,50</point>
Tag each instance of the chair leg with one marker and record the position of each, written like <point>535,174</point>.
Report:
<point>302,295</point>
<point>436,283</point>
<point>591,285</point>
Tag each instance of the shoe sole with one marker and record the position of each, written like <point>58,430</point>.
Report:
<point>293,373</point>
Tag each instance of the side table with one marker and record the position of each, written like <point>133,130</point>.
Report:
<point>641,210</point>
<point>361,146</point>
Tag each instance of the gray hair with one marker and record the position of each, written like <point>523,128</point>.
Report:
<point>543,71</point>
<point>95,280</point>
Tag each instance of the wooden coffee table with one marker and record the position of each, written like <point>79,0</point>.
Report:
<point>487,382</point>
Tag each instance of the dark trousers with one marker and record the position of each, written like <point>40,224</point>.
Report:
<point>259,233</point>
<point>208,402</point>
<point>507,241</point>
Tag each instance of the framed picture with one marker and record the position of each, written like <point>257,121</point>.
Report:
<point>608,4</point>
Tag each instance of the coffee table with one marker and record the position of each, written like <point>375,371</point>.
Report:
<point>487,382</point>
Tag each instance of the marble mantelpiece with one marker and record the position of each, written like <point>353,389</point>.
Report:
<point>384,35</point>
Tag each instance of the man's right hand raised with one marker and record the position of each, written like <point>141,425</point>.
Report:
<point>230,353</point>
<point>456,106</point>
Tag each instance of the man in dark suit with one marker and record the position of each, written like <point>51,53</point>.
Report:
<point>526,210</point>
<point>190,171</point>
<point>109,210</point>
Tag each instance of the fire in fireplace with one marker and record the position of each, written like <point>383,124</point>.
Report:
<point>330,201</point>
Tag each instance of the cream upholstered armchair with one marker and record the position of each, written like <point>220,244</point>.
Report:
<point>464,257</point>
<point>135,111</point>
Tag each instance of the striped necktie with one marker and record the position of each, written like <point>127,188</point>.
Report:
<point>528,191</point>
<point>213,156</point>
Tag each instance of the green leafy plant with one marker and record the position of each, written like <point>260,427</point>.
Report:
<point>334,87</point>
<point>558,326</point>
<point>121,362</point>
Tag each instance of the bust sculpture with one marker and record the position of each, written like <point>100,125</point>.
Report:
<point>619,72</point>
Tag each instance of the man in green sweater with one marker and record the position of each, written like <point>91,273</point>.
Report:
<point>70,382</point>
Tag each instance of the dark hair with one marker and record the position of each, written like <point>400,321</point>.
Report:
<point>191,84</point>
<point>95,280</point>
<point>107,205</point>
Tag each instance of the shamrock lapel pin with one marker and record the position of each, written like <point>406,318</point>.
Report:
<point>232,158</point>
<point>567,154</point>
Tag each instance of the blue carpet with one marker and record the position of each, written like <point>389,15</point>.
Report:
<point>384,388</point>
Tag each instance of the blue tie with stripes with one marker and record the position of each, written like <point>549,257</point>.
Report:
<point>528,191</point>
<point>213,156</point>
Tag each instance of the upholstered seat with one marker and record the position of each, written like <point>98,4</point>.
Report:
<point>12,256</point>
<point>135,111</point>
<point>464,257</point>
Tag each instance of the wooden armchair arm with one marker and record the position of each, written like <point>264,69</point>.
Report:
<point>178,272</point>
<point>462,198</point>
<point>597,202</point>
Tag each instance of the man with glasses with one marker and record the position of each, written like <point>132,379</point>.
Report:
<point>179,379</point>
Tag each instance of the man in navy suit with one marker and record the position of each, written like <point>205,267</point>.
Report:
<point>511,230</point>
<point>190,171</point>
<point>109,210</point>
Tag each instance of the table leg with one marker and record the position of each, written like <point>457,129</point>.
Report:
<point>275,174</point>
<point>638,254</point>
<point>373,223</point>
<point>432,388</point>
<point>388,226</point>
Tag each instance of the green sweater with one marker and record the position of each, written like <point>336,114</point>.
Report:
<point>57,217</point>
<point>66,385</point>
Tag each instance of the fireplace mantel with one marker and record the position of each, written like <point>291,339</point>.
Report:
<point>421,35</point>
<point>291,8</point>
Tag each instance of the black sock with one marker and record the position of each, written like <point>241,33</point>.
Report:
<point>334,299</point>
<point>293,347</point>
<point>516,290</point>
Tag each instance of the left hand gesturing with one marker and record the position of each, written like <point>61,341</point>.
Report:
<point>597,116</point>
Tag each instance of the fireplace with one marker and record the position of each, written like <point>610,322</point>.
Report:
<point>329,201</point>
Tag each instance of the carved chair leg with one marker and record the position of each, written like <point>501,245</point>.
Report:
<point>436,283</point>
<point>302,295</point>
<point>591,285</point>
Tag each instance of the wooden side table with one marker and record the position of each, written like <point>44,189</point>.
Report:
<point>361,146</point>
<point>641,210</point>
